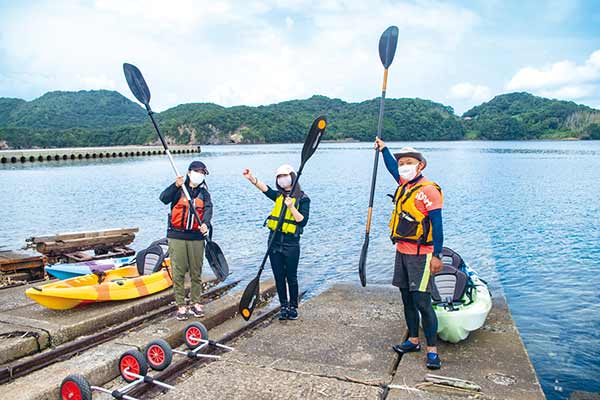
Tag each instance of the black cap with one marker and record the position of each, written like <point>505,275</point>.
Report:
<point>198,166</point>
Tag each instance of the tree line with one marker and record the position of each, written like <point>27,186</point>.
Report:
<point>105,118</point>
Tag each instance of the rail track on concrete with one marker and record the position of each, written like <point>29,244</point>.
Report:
<point>23,283</point>
<point>29,364</point>
<point>179,368</point>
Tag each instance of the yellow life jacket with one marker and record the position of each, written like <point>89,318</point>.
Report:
<point>407,223</point>
<point>289,226</point>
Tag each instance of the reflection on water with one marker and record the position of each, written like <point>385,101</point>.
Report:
<point>524,214</point>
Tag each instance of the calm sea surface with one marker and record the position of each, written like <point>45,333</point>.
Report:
<point>526,215</point>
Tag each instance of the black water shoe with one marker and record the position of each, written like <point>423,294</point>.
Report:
<point>433,361</point>
<point>407,347</point>
<point>182,314</point>
<point>293,313</point>
<point>283,314</point>
<point>196,311</point>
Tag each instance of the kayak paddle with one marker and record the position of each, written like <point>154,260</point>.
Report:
<point>250,295</point>
<point>387,49</point>
<point>140,90</point>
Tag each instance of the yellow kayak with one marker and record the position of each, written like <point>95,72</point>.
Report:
<point>118,284</point>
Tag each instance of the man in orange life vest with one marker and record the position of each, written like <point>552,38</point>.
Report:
<point>186,235</point>
<point>416,230</point>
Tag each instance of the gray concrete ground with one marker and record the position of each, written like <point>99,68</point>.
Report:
<point>493,357</point>
<point>340,348</point>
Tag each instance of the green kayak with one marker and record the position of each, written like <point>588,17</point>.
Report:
<point>461,299</point>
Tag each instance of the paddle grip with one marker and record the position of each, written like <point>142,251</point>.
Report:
<point>385,75</point>
<point>369,215</point>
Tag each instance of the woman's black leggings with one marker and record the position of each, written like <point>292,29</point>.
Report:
<point>415,302</point>
<point>284,262</point>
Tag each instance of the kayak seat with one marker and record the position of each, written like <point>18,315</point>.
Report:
<point>453,259</point>
<point>450,284</point>
<point>100,274</point>
<point>150,260</point>
<point>164,245</point>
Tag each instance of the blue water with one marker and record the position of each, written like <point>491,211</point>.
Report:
<point>526,215</point>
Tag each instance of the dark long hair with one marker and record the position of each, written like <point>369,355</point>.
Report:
<point>297,191</point>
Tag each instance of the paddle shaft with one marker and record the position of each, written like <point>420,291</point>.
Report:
<point>376,162</point>
<point>166,147</point>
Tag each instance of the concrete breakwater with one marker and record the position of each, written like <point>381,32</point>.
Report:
<point>87,153</point>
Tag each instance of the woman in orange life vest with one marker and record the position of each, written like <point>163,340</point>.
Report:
<point>285,252</point>
<point>416,231</point>
<point>186,235</point>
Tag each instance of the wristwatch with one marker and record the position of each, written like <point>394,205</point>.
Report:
<point>439,256</point>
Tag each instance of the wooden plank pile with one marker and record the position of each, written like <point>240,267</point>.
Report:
<point>70,247</point>
<point>19,267</point>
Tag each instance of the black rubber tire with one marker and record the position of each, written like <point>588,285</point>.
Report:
<point>73,383</point>
<point>194,326</point>
<point>158,354</point>
<point>134,359</point>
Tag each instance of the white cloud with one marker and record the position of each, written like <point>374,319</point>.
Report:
<point>180,16</point>
<point>570,92</point>
<point>229,52</point>
<point>289,22</point>
<point>563,79</point>
<point>470,92</point>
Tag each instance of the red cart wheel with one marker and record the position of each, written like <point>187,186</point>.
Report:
<point>158,354</point>
<point>75,387</point>
<point>193,333</point>
<point>132,361</point>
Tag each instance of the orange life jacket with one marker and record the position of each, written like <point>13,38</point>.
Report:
<point>183,218</point>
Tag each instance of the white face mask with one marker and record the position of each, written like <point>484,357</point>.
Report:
<point>408,172</point>
<point>284,181</point>
<point>196,178</point>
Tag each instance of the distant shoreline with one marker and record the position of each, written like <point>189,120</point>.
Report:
<point>330,141</point>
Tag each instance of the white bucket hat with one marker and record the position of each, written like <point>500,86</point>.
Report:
<point>285,169</point>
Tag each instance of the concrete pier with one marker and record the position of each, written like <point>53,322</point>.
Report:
<point>87,153</point>
<point>340,348</point>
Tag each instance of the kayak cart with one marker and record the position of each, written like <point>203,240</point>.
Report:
<point>159,353</point>
<point>133,369</point>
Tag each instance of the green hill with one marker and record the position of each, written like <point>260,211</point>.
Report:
<point>518,116</point>
<point>104,118</point>
<point>289,120</point>
<point>8,105</point>
<point>84,109</point>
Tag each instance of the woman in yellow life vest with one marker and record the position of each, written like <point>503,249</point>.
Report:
<point>285,253</point>
<point>417,233</point>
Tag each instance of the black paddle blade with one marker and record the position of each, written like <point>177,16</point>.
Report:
<point>137,84</point>
<point>249,298</point>
<point>362,263</point>
<point>216,260</point>
<point>387,45</point>
<point>313,138</point>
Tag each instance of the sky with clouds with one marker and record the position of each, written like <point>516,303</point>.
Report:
<point>459,53</point>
